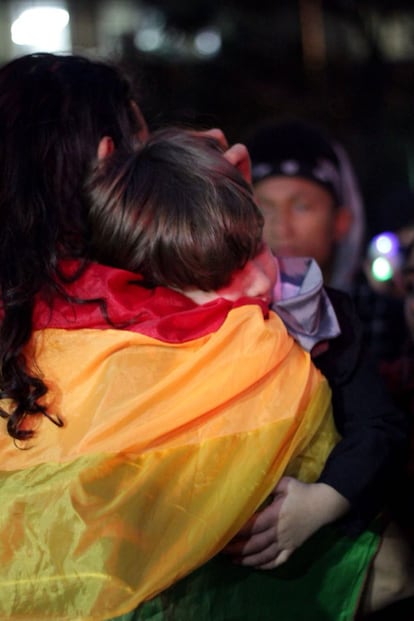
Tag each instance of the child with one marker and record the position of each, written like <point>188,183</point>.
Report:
<point>174,212</point>
<point>188,249</point>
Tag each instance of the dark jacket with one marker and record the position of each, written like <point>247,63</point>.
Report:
<point>374,431</point>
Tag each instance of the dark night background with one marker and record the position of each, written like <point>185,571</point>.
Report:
<point>346,65</point>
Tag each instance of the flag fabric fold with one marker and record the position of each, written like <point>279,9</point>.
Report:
<point>174,433</point>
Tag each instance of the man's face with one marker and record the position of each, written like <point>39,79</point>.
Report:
<point>300,218</point>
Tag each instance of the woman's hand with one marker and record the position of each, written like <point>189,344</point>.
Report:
<point>296,511</point>
<point>237,154</point>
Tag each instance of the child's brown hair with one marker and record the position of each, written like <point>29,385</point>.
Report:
<point>175,211</point>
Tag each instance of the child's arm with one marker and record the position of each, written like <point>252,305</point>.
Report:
<point>296,512</point>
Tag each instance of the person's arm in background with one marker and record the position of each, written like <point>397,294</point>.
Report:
<point>354,483</point>
<point>374,431</point>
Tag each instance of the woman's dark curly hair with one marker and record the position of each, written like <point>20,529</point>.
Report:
<point>53,112</point>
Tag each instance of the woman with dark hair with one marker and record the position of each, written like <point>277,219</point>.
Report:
<point>53,113</point>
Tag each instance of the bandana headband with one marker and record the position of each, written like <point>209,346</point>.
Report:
<point>322,171</point>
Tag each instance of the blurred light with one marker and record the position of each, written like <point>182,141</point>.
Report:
<point>208,42</point>
<point>41,28</point>
<point>148,39</point>
<point>382,269</point>
<point>386,243</point>
<point>384,254</point>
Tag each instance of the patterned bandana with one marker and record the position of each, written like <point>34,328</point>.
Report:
<point>322,172</point>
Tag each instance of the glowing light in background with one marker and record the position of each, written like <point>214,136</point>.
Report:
<point>384,252</point>
<point>382,269</point>
<point>149,39</point>
<point>42,28</point>
<point>208,42</point>
<point>151,33</point>
<point>384,244</point>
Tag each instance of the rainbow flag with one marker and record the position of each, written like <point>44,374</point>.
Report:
<point>176,428</point>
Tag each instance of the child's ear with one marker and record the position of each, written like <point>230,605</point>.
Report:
<point>105,147</point>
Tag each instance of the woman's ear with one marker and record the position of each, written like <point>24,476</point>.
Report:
<point>105,147</point>
<point>343,222</point>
